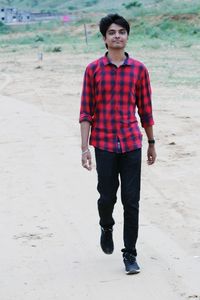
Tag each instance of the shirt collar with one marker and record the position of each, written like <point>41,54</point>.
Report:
<point>106,60</point>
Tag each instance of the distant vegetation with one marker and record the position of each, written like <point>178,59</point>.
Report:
<point>132,4</point>
<point>135,7</point>
<point>4,28</point>
<point>155,22</point>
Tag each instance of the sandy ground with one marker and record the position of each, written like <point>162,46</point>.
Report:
<point>49,223</point>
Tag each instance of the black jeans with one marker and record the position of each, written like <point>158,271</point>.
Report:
<point>109,167</point>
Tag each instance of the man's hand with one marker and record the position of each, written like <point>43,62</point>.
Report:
<point>87,160</point>
<point>151,155</point>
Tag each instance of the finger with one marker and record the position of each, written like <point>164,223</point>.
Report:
<point>84,162</point>
<point>85,166</point>
<point>90,162</point>
<point>151,160</point>
<point>89,166</point>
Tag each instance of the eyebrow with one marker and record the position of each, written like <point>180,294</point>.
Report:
<point>122,29</point>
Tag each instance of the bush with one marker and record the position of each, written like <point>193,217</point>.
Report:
<point>91,3</point>
<point>166,24</point>
<point>57,49</point>
<point>4,28</point>
<point>39,38</point>
<point>132,4</point>
<point>152,32</point>
<point>72,7</point>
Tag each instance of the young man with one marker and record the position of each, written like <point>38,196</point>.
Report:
<point>114,86</point>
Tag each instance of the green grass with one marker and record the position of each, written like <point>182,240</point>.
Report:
<point>166,29</point>
<point>161,34</point>
<point>4,29</point>
<point>154,24</point>
<point>155,7</point>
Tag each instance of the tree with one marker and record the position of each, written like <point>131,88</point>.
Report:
<point>132,4</point>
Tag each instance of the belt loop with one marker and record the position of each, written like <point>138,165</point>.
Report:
<point>119,149</point>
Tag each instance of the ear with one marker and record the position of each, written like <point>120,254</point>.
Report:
<point>104,39</point>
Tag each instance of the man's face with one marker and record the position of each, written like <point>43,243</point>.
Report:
<point>116,37</point>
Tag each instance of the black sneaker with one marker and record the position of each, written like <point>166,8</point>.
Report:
<point>106,240</point>
<point>130,262</point>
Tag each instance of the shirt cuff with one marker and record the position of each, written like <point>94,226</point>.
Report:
<point>147,123</point>
<point>85,117</point>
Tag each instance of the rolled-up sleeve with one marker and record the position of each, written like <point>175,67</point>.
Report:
<point>143,99</point>
<point>87,97</point>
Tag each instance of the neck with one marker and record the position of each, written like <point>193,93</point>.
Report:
<point>116,55</point>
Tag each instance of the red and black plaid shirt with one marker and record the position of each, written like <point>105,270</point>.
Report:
<point>109,99</point>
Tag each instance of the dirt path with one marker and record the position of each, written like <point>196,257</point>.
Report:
<point>49,250</point>
<point>5,80</point>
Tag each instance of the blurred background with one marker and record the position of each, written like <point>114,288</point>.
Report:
<point>55,25</point>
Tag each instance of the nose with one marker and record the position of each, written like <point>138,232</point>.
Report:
<point>117,34</point>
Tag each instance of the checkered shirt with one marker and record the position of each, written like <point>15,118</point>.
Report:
<point>111,96</point>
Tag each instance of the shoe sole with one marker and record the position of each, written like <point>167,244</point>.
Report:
<point>108,252</point>
<point>132,272</point>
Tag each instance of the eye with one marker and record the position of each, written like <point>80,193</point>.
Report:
<point>111,32</point>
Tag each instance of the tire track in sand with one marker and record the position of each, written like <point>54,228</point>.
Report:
<point>7,80</point>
